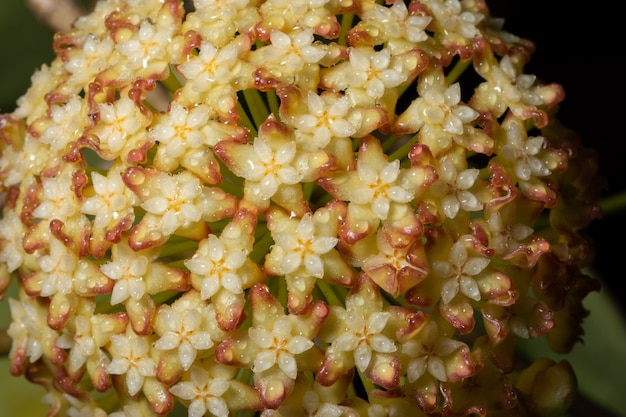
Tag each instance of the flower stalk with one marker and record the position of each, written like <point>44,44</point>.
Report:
<point>344,208</point>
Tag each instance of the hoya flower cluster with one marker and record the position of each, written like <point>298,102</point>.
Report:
<point>284,208</point>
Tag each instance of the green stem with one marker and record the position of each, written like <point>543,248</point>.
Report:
<point>245,119</point>
<point>176,248</point>
<point>457,70</point>
<point>330,293</point>
<point>613,204</point>
<point>262,244</point>
<point>367,384</point>
<point>346,24</point>
<point>403,150</point>
<point>273,103</point>
<point>256,106</point>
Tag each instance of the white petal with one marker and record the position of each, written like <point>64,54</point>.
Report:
<point>475,265</point>
<point>197,408</point>
<point>264,361</point>
<point>346,342</point>
<point>376,322</point>
<point>232,283</point>
<point>118,366</point>
<point>314,265</point>
<point>299,344</point>
<point>390,172</point>
<point>217,406</point>
<point>469,288</point>
<point>467,178</point>
<point>416,369</point>
<point>437,368</point>
<point>136,288</point>
<point>201,340</point>
<point>450,206</point>
<point>286,153</point>
<point>155,205</point>
<point>186,354</point>
<point>146,367</point>
<point>449,290</point>
<point>185,390</point>
<point>134,381</point>
<point>380,207</point>
<point>119,293</point>
<point>323,245</point>
<point>290,262</point>
<point>381,343</point>
<point>169,340</point>
<point>261,337</point>
<point>287,364</point>
<point>268,186</point>
<point>210,286</point>
<point>362,356</point>
<point>468,201</point>
<point>289,175</point>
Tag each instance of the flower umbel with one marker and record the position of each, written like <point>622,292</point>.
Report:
<point>292,208</point>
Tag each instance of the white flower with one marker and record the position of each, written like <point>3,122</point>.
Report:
<point>443,107</point>
<point>364,336</point>
<point>181,129</point>
<point>210,68</point>
<point>426,353</point>
<point>315,408</point>
<point>81,343</point>
<point>397,23</point>
<point>218,266</point>
<point>59,201</point>
<point>371,71</point>
<point>521,151</point>
<point>118,122</point>
<point>58,269</point>
<point>112,202</point>
<point>380,188</point>
<point>21,164</point>
<point>147,45</point>
<point>130,357</point>
<point>184,331</point>
<point>83,406</point>
<point>301,247</point>
<point>128,269</point>
<point>326,118</point>
<point>176,203</point>
<point>292,51</point>
<point>86,62</point>
<point>454,188</point>
<point>272,168</point>
<point>459,272</point>
<point>28,324</point>
<point>12,231</point>
<point>67,124</point>
<point>506,237</point>
<point>204,393</point>
<point>450,15</point>
<point>278,347</point>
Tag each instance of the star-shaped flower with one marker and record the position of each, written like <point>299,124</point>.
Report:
<point>273,167</point>
<point>378,190</point>
<point>130,357</point>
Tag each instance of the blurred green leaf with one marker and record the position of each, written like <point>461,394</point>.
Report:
<point>24,47</point>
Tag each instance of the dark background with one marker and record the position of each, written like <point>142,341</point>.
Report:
<point>581,47</point>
